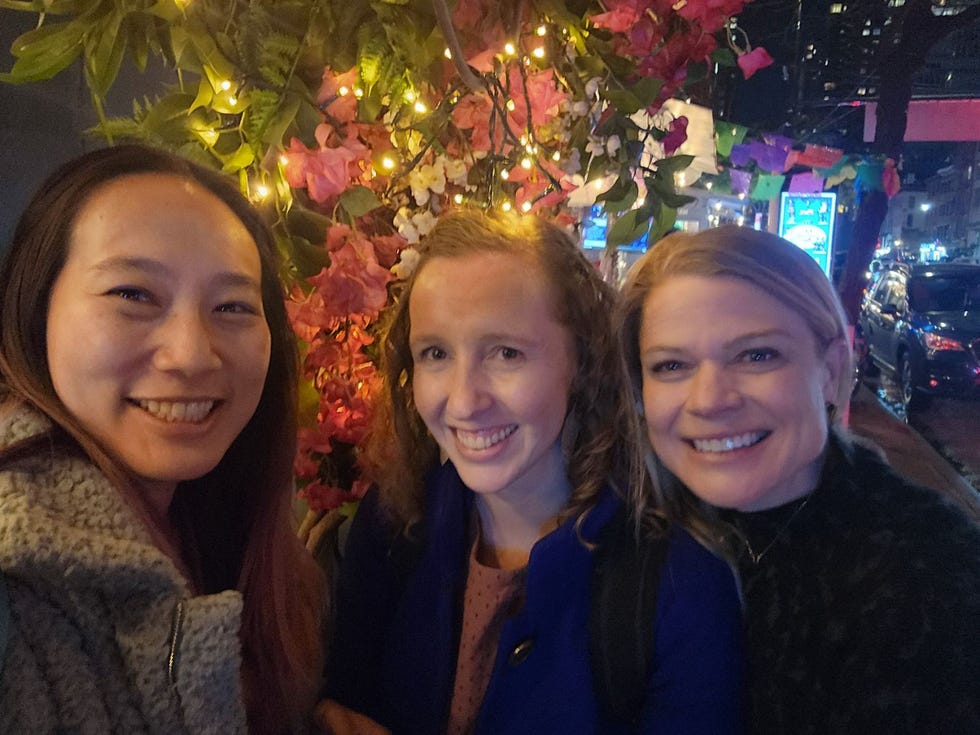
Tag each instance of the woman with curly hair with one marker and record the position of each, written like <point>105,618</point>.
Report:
<point>507,443</point>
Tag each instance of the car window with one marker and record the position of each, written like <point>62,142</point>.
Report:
<point>943,294</point>
<point>895,293</point>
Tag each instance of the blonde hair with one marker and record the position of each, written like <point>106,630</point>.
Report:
<point>601,437</point>
<point>771,264</point>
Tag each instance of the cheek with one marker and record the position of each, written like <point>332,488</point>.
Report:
<point>424,395</point>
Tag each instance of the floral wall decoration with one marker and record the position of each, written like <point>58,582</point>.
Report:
<point>354,123</point>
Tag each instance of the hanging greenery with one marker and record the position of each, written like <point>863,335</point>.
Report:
<point>353,123</point>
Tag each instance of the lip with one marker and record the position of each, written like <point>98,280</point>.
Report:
<point>483,441</point>
<point>722,445</point>
<point>177,411</point>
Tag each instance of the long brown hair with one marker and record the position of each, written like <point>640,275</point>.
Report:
<point>601,434</point>
<point>241,511</point>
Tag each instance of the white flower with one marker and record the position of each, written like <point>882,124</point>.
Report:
<point>408,260</point>
<point>595,146</point>
<point>426,179</point>
<point>406,228</point>
<point>592,87</point>
<point>456,171</point>
<point>424,221</point>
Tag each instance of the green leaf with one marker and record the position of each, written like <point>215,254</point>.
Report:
<point>664,220</point>
<point>647,89</point>
<point>621,195</point>
<point>261,112</point>
<point>45,51</point>
<point>623,100</point>
<point>205,93</point>
<point>307,258</point>
<point>358,201</point>
<point>104,56</point>
<point>243,157</point>
<point>674,164</point>
<point>285,115</point>
<point>723,57</point>
<point>626,229</point>
<point>696,71</point>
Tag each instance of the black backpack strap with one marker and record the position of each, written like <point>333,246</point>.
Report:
<point>625,578</point>
<point>4,621</point>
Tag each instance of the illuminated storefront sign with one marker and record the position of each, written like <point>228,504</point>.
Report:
<point>808,221</point>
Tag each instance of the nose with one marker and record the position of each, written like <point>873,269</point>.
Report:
<point>712,390</point>
<point>186,343</point>
<point>468,391</point>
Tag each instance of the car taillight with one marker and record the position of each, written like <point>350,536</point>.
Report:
<point>940,343</point>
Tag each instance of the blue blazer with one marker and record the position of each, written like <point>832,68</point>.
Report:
<point>393,655</point>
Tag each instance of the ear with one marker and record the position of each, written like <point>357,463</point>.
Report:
<point>837,364</point>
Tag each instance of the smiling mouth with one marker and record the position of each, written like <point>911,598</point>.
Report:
<point>172,411</point>
<point>729,443</point>
<point>483,439</point>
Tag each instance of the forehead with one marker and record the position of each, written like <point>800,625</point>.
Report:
<point>689,306</point>
<point>160,216</point>
<point>485,285</point>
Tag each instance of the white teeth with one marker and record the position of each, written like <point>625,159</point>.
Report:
<point>728,444</point>
<point>192,411</point>
<point>481,440</point>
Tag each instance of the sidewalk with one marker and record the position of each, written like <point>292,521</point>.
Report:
<point>910,454</point>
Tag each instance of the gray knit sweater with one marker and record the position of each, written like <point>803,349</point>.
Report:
<point>105,635</point>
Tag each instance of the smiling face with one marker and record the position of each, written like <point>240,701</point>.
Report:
<point>157,341</point>
<point>492,372</point>
<point>735,391</point>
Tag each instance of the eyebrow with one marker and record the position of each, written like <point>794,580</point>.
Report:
<point>149,265</point>
<point>741,339</point>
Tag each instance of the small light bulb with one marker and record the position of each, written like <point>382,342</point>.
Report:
<point>538,53</point>
<point>556,156</point>
<point>505,174</point>
<point>511,105</point>
<point>510,49</point>
<point>526,207</point>
<point>421,108</point>
<point>388,162</point>
<point>542,30</point>
<point>233,100</point>
<point>262,190</point>
<point>283,159</point>
<point>358,92</point>
<point>526,163</point>
<point>458,198</point>
<point>506,206</point>
<point>225,85</point>
<point>409,96</point>
<point>448,54</point>
<point>343,91</point>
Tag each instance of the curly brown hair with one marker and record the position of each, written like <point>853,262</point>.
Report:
<point>601,437</point>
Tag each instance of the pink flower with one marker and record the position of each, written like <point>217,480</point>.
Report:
<point>332,84</point>
<point>757,58</point>
<point>676,135</point>
<point>354,282</point>
<point>620,19</point>
<point>327,497</point>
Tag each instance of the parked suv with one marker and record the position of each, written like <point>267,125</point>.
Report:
<point>921,323</point>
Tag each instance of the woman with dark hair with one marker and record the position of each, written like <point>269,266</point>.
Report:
<point>507,445</point>
<point>862,591</point>
<point>148,378</point>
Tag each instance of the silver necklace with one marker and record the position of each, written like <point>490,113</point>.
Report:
<point>756,558</point>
